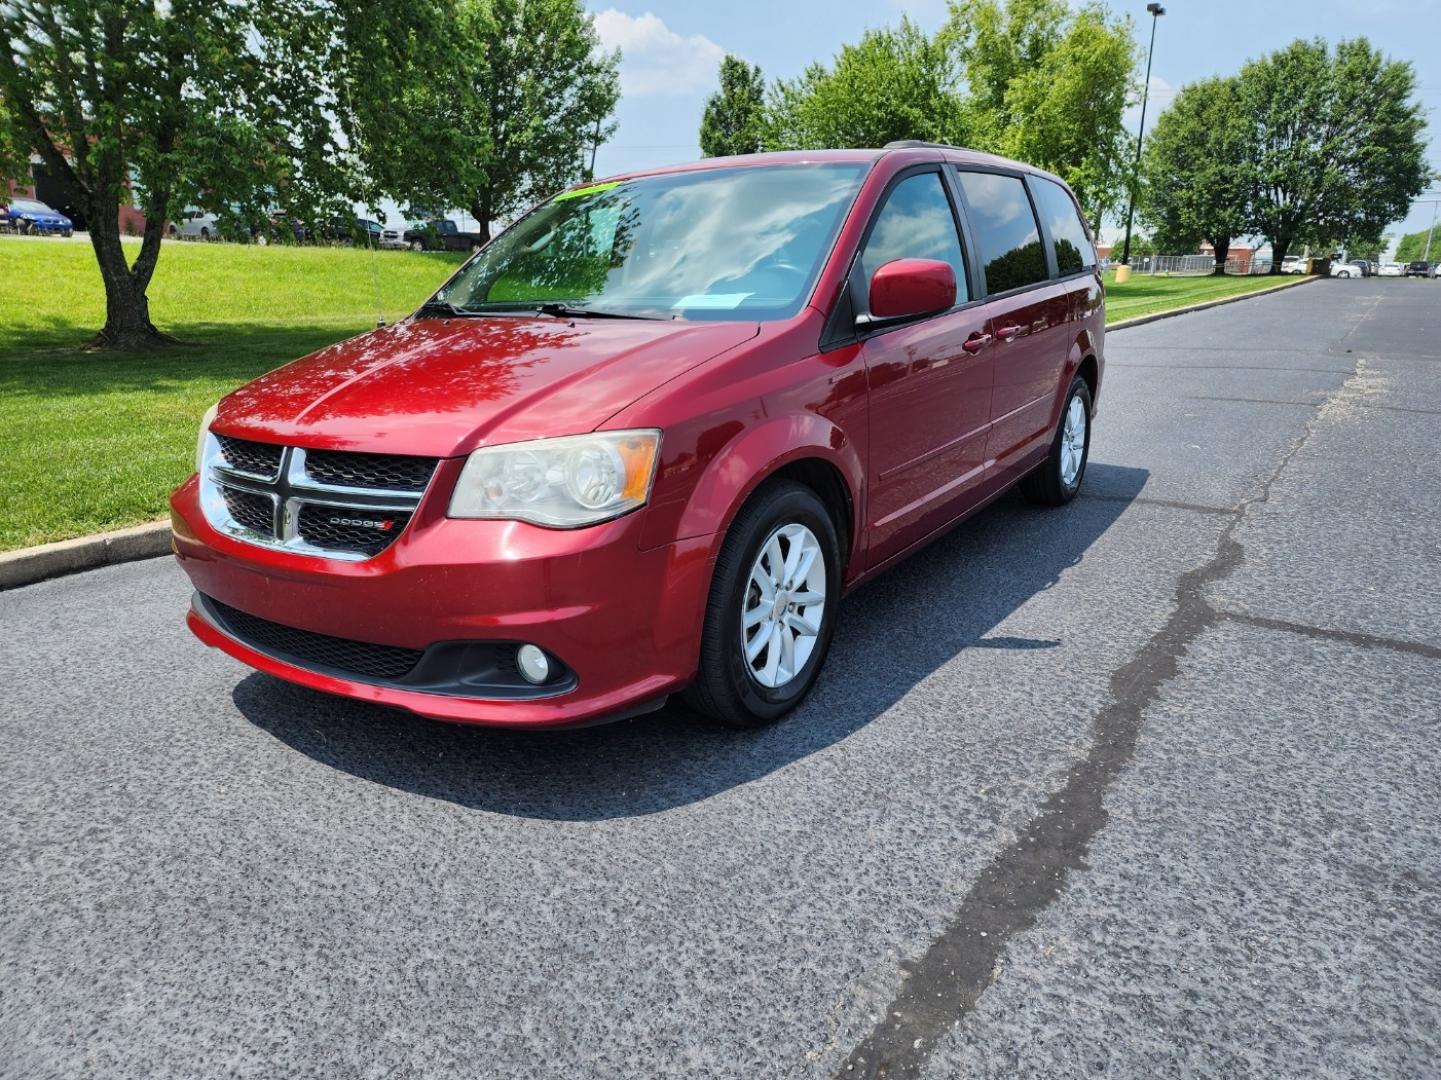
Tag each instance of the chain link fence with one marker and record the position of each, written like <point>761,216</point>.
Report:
<point>1196,265</point>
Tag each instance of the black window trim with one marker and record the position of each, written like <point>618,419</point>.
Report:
<point>840,328</point>
<point>1053,262</point>
<point>1041,231</point>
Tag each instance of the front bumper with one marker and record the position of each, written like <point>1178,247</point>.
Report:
<point>625,622</point>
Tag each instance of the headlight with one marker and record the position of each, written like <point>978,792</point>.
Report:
<point>563,483</point>
<point>205,423</point>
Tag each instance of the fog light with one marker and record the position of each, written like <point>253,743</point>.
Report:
<point>534,665</point>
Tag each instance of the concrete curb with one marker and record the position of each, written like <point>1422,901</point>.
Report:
<point>1142,320</point>
<point>29,565</point>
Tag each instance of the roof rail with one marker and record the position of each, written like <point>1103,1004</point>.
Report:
<point>912,144</point>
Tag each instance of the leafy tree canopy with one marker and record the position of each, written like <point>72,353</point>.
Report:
<point>1030,79</point>
<point>516,110</point>
<point>1048,85</point>
<point>892,84</point>
<point>1193,185</point>
<point>1336,142</point>
<point>734,118</point>
<point>235,108</point>
<point>1412,246</point>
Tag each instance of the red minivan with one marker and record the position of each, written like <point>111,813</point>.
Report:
<point>646,439</point>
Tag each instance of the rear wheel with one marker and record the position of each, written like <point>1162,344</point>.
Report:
<point>416,245</point>
<point>1057,479</point>
<point>772,608</point>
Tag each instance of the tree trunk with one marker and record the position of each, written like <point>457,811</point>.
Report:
<point>127,308</point>
<point>1279,247</point>
<point>1222,246</point>
<point>480,210</point>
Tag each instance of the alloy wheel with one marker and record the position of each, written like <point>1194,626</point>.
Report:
<point>1073,442</point>
<point>783,606</point>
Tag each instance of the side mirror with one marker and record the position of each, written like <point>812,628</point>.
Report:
<point>905,288</point>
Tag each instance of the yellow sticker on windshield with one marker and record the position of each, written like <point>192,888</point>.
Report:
<point>594,189</point>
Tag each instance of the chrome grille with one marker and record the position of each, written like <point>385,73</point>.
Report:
<point>363,532</point>
<point>327,503</point>
<point>391,472</point>
<point>256,459</point>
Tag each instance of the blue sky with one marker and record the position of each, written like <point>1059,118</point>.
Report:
<point>671,50</point>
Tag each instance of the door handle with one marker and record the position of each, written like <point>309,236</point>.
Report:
<point>1006,333</point>
<point>976,342</point>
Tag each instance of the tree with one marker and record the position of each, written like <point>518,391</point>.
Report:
<point>188,102</point>
<point>522,102</point>
<point>892,84</point>
<point>734,117</point>
<point>1193,185</point>
<point>1336,147</point>
<point>1367,247</point>
<point>1049,85</point>
<point>1412,246</point>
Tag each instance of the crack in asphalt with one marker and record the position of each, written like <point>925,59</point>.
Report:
<point>1350,637</point>
<point>941,987</point>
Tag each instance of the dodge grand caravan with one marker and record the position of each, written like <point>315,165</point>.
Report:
<point>644,441</point>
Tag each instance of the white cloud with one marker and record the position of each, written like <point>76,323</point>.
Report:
<point>654,58</point>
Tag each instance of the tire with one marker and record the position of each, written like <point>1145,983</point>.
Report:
<point>474,248</point>
<point>416,245</point>
<point>1047,484</point>
<point>727,687</point>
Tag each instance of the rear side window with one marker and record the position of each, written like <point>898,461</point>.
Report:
<point>916,223</point>
<point>1004,228</point>
<point>1058,211</point>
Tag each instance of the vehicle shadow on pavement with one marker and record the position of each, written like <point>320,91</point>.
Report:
<point>957,589</point>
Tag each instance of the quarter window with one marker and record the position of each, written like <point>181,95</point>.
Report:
<point>1058,211</point>
<point>1004,228</point>
<point>916,223</point>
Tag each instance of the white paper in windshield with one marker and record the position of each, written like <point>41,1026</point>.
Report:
<point>724,301</point>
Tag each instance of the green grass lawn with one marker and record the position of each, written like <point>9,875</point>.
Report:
<point>1146,295</point>
<point>92,441</point>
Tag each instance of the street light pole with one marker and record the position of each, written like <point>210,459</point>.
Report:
<point>1156,11</point>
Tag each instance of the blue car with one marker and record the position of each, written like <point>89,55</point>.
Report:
<point>34,217</point>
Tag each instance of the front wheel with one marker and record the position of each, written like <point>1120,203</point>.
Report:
<point>1057,479</point>
<point>772,608</point>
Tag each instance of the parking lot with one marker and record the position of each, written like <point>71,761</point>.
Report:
<point>1145,786</point>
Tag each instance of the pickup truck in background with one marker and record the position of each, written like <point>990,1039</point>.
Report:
<point>441,235</point>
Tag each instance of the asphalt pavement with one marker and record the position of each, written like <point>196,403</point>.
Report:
<point>1146,786</point>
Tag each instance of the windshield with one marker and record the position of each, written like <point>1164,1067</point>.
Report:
<point>27,204</point>
<point>740,243</point>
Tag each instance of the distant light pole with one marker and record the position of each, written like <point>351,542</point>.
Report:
<point>1156,11</point>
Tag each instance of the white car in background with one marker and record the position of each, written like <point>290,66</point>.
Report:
<point>1389,270</point>
<point>393,237</point>
<point>1347,269</point>
<point>195,225</point>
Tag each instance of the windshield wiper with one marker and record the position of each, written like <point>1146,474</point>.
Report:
<point>446,309</point>
<point>563,310</point>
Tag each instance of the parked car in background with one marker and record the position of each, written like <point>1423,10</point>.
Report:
<point>646,440</point>
<point>393,236</point>
<point>1293,264</point>
<point>361,231</point>
<point>1416,268</point>
<point>194,224</point>
<point>1388,270</point>
<point>1347,269</point>
<point>4,217</point>
<point>33,217</point>
<point>441,235</point>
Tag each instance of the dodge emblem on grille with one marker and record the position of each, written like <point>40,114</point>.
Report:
<point>383,524</point>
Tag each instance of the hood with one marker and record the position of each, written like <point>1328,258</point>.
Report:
<point>441,387</point>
